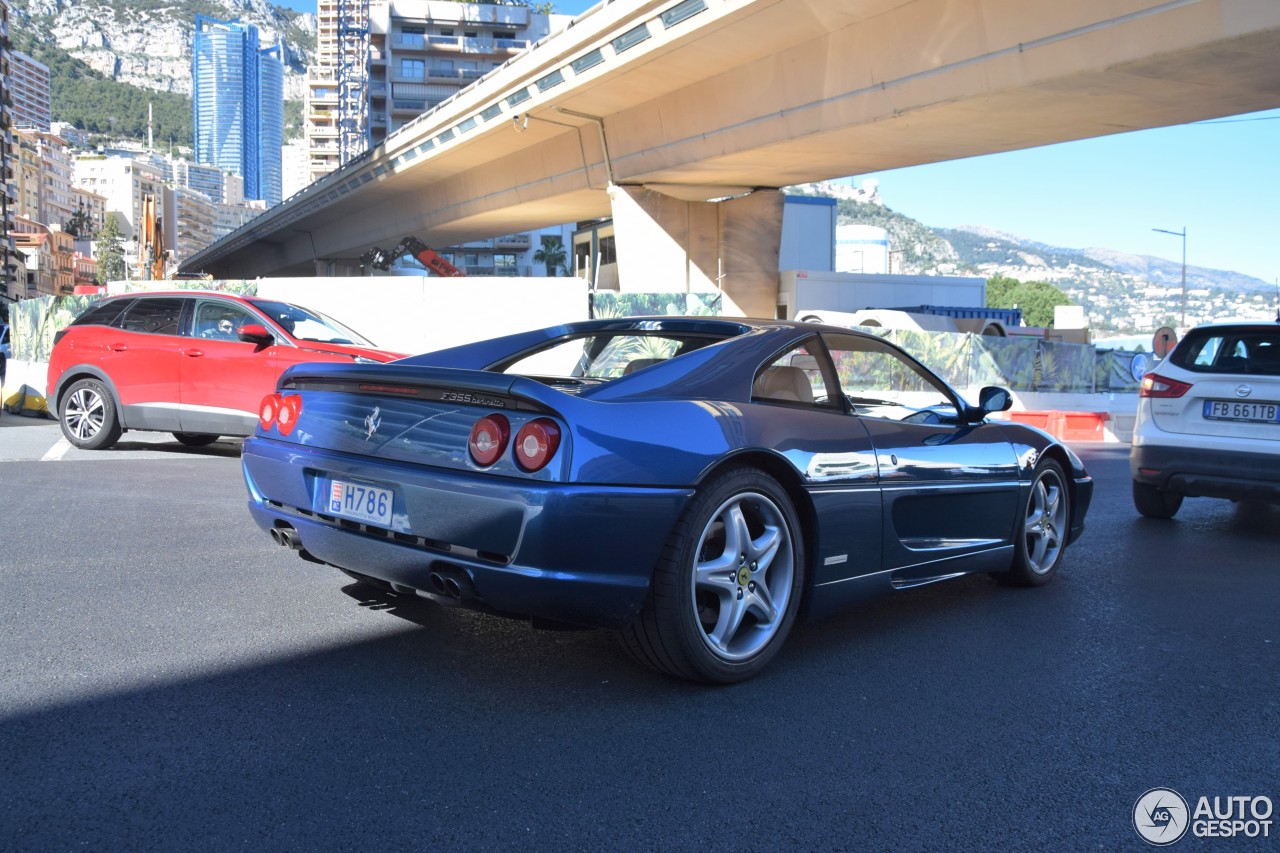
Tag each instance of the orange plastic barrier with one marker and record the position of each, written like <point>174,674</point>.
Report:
<point>1067,426</point>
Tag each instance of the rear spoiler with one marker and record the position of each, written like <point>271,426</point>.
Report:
<point>430,384</point>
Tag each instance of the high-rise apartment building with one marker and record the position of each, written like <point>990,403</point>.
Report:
<point>189,221</point>
<point>341,69</point>
<point>423,51</point>
<point>8,199</point>
<point>420,52</point>
<point>30,92</point>
<point>125,182</point>
<point>238,104</point>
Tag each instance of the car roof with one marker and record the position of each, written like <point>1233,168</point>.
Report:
<point>1237,324</point>
<point>177,292</point>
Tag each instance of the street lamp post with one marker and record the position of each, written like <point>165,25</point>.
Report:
<point>1183,235</point>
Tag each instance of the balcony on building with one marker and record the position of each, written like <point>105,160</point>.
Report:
<point>408,106</point>
<point>512,241</point>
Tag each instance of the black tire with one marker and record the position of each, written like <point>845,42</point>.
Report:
<point>1043,527</point>
<point>88,415</point>
<point>195,439</point>
<point>1155,502</point>
<point>726,622</point>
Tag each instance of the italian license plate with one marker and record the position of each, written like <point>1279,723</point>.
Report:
<point>1230,410</point>
<point>359,502</point>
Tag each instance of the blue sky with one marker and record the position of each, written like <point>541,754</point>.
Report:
<point>1218,179</point>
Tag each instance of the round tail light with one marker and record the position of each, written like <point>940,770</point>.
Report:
<point>287,416</point>
<point>267,411</point>
<point>488,439</point>
<point>536,442</point>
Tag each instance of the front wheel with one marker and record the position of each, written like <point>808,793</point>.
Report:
<point>1155,503</point>
<point>1042,532</point>
<point>88,415</point>
<point>727,588</point>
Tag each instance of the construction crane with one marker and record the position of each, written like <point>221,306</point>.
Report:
<point>381,259</point>
<point>152,255</point>
<point>353,79</point>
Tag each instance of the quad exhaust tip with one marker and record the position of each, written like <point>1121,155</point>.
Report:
<point>451,583</point>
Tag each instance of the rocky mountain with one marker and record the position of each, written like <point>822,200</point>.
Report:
<point>1121,293</point>
<point>147,43</point>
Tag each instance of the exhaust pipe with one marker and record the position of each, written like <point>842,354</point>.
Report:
<point>286,536</point>
<point>452,583</point>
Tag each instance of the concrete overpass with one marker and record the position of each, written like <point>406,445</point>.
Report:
<point>681,118</point>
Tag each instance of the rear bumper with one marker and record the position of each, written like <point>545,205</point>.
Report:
<point>577,554</point>
<point>1208,473</point>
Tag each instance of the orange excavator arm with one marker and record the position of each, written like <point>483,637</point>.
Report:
<point>381,259</point>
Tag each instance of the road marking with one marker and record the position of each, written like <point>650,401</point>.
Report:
<point>57,451</point>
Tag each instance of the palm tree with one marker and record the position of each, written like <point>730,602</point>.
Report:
<point>552,254</point>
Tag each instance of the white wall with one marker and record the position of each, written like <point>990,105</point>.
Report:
<point>416,314</point>
<point>832,291</point>
<point>808,234</point>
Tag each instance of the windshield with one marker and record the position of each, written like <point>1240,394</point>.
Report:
<point>307,325</point>
<point>604,356</point>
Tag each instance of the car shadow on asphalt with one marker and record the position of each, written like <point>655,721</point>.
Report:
<point>224,447</point>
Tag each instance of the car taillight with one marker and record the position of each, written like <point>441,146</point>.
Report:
<point>536,443</point>
<point>267,411</point>
<point>287,416</point>
<point>1155,385</point>
<point>488,439</point>
<point>281,411</point>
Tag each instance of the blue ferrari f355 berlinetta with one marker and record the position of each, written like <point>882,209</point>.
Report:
<point>694,483</point>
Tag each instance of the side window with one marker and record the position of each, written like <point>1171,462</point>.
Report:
<point>879,381</point>
<point>157,316</point>
<point>105,313</point>
<point>796,377</point>
<point>220,321</point>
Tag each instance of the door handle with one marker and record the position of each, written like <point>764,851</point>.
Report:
<point>117,347</point>
<point>193,353</point>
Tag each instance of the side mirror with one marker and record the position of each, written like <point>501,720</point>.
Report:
<point>994,399</point>
<point>253,333</point>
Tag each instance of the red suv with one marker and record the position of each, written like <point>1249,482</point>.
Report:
<point>191,363</point>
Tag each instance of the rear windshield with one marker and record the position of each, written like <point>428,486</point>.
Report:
<point>1230,350</point>
<point>594,358</point>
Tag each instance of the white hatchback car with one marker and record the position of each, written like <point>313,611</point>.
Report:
<point>1209,420</point>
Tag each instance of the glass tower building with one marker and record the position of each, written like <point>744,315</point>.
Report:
<point>238,105</point>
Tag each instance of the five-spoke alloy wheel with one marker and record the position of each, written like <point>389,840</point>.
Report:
<point>1042,536</point>
<point>728,587</point>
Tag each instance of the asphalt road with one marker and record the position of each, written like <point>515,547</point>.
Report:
<point>169,679</point>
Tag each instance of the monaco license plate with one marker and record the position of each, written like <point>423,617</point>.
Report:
<point>1231,410</point>
<point>360,502</point>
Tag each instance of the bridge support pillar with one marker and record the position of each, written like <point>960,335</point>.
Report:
<point>665,243</point>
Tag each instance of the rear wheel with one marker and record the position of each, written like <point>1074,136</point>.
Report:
<point>727,587</point>
<point>88,415</point>
<point>1042,535</point>
<point>195,439</point>
<point>1154,502</point>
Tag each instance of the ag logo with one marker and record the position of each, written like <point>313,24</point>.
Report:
<point>1160,816</point>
